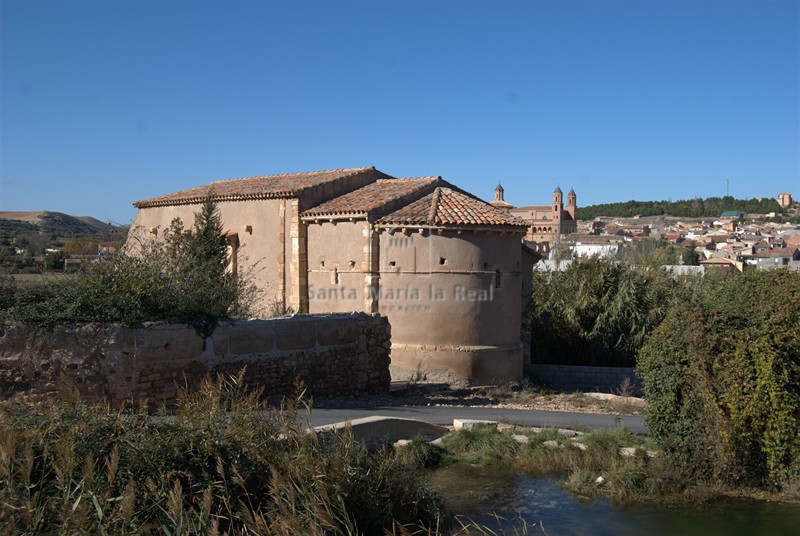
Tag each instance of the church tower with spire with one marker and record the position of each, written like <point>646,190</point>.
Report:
<point>499,199</point>
<point>572,203</point>
<point>558,204</point>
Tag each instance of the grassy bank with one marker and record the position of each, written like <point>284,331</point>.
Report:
<point>220,466</point>
<point>614,464</point>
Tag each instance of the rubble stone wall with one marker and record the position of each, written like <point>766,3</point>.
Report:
<point>334,355</point>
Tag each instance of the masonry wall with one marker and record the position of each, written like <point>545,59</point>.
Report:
<point>334,355</point>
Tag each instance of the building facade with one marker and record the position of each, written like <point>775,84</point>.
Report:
<point>446,268</point>
<point>547,224</point>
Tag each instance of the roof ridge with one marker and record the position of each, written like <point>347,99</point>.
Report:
<point>423,178</point>
<point>296,174</point>
<point>259,186</point>
<point>437,193</point>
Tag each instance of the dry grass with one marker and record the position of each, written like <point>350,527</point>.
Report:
<point>220,467</point>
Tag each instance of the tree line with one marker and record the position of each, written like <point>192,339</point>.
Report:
<point>711,207</point>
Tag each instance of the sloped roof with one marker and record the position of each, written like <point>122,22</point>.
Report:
<point>260,187</point>
<point>372,197</point>
<point>543,208</point>
<point>731,214</point>
<point>446,206</point>
<point>779,253</point>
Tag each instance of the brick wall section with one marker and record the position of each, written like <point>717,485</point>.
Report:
<point>583,378</point>
<point>334,355</point>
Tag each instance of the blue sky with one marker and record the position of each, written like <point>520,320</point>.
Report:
<point>106,103</point>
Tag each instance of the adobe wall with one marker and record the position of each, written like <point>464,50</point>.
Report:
<point>337,266</point>
<point>454,300</point>
<point>262,227</point>
<point>334,355</point>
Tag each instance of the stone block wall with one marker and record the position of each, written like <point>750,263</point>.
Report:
<point>583,378</point>
<point>334,355</point>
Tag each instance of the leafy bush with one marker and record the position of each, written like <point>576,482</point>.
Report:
<point>597,311</point>
<point>722,378</point>
<point>181,276</point>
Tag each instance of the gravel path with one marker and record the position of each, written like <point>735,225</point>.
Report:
<point>513,396</point>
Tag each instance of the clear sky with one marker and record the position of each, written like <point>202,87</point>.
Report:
<point>106,103</point>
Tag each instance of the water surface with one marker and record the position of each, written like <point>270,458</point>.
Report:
<point>483,494</point>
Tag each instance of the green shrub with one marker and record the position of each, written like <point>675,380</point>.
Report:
<point>420,453</point>
<point>481,444</point>
<point>722,378</point>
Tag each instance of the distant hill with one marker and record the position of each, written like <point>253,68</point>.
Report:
<point>51,223</point>
<point>711,207</point>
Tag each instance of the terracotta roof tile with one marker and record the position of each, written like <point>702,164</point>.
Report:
<point>547,208</point>
<point>447,206</point>
<point>373,197</point>
<point>260,187</point>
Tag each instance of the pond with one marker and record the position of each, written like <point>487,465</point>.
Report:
<point>498,500</point>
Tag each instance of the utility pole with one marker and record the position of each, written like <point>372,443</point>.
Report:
<point>727,187</point>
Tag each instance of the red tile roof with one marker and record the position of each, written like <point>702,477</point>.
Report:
<point>261,187</point>
<point>374,196</point>
<point>447,206</point>
<point>535,207</point>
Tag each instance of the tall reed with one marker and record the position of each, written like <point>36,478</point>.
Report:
<point>225,464</point>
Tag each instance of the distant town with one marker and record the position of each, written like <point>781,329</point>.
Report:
<point>732,240</point>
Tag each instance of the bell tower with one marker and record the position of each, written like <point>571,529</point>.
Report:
<point>499,192</point>
<point>558,204</point>
<point>499,198</point>
<point>572,203</point>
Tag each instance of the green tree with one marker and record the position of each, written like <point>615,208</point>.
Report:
<point>690,257</point>
<point>596,312</point>
<point>710,207</point>
<point>207,287</point>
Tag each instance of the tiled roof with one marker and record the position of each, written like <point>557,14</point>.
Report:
<point>261,187</point>
<point>373,196</point>
<point>781,253</point>
<point>447,206</point>
<point>546,208</point>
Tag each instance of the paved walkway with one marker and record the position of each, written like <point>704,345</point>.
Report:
<point>444,415</point>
